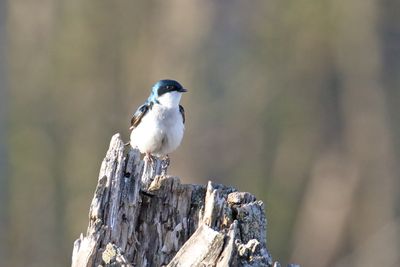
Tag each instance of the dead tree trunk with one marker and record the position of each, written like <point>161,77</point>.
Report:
<point>140,218</point>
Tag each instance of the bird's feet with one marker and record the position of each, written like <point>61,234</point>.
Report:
<point>164,165</point>
<point>149,158</point>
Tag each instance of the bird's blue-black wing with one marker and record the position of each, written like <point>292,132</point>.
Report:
<point>182,111</point>
<point>139,114</point>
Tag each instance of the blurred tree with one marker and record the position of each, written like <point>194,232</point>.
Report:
<point>34,199</point>
<point>353,181</point>
<point>4,193</point>
<point>389,33</point>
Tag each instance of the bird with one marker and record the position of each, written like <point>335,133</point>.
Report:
<point>157,126</point>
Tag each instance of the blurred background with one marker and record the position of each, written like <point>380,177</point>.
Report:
<point>297,102</point>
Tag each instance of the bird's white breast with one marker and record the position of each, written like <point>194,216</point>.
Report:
<point>160,132</point>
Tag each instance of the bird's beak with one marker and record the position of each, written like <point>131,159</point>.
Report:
<point>183,90</point>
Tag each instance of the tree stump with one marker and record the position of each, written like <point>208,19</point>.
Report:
<point>139,217</point>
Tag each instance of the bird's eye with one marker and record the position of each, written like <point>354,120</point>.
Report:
<point>169,87</point>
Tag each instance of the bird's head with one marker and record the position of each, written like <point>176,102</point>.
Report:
<point>167,92</point>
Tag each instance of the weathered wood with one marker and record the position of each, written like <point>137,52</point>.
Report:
<point>141,218</point>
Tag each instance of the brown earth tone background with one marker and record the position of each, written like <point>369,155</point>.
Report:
<point>297,102</point>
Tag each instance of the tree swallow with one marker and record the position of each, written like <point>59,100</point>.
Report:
<point>158,125</point>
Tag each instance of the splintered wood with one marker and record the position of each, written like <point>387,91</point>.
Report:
<point>141,218</point>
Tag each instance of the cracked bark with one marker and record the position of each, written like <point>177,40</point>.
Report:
<point>141,218</point>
